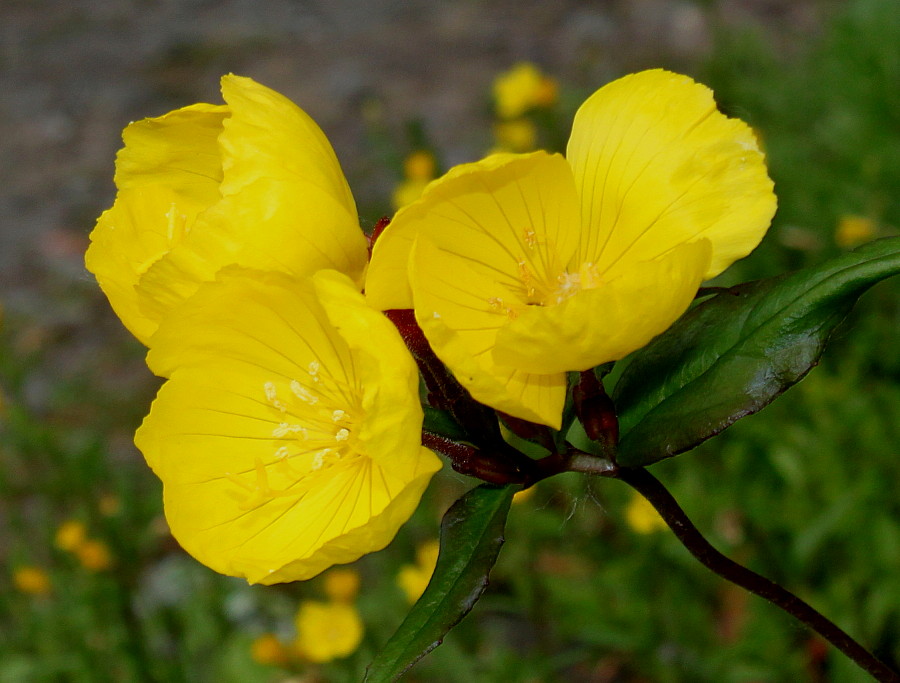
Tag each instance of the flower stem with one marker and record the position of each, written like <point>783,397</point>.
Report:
<point>657,494</point>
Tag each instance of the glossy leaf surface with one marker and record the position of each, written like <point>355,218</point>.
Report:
<point>471,537</point>
<point>733,354</point>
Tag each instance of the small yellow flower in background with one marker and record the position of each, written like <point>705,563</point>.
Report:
<point>642,517</point>
<point>420,165</point>
<point>414,578</point>
<point>418,169</point>
<point>522,267</point>
<point>268,650</point>
<point>517,135</point>
<point>94,555</point>
<point>288,437</point>
<point>327,631</point>
<point>522,88</point>
<point>854,230</point>
<point>70,535</point>
<point>32,580</point>
<point>253,182</point>
<point>342,585</point>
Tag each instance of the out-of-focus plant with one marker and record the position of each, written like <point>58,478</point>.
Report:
<point>289,432</point>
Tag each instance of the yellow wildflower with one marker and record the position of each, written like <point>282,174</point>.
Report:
<point>521,88</point>
<point>853,231</point>
<point>288,437</point>
<point>419,165</point>
<point>517,135</point>
<point>94,555</point>
<point>32,580</point>
<point>523,267</point>
<point>641,515</point>
<point>414,578</point>
<point>327,631</point>
<point>342,585</point>
<point>418,168</point>
<point>253,182</point>
<point>268,650</point>
<point>70,535</point>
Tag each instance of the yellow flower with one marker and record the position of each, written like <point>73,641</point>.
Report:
<point>266,649</point>
<point>521,88</point>
<point>641,515</point>
<point>342,585</point>
<point>414,578</point>
<point>253,182</point>
<point>327,631</point>
<point>94,555</point>
<point>70,535</point>
<point>288,437</point>
<point>523,267</point>
<point>853,231</point>
<point>418,168</point>
<point>517,135</point>
<point>32,580</point>
<point>419,165</point>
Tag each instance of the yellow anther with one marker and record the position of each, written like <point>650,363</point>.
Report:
<point>527,278</point>
<point>530,238</point>
<point>272,396</point>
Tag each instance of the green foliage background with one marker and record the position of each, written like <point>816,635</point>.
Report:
<point>804,492</point>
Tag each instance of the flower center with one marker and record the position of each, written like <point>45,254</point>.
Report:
<point>314,435</point>
<point>570,283</point>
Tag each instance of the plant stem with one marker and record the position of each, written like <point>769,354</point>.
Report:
<point>658,496</point>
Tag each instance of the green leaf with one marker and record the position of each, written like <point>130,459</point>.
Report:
<point>442,423</point>
<point>471,537</point>
<point>733,354</point>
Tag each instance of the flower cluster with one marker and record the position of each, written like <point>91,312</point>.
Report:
<point>325,630</point>
<point>288,432</point>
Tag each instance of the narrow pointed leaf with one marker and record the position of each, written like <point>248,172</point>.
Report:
<point>471,537</point>
<point>733,354</point>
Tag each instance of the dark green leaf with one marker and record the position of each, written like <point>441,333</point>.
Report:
<point>471,536</point>
<point>441,422</point>
<point>733,354</point>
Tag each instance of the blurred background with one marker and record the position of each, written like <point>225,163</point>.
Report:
<point>589,586</point>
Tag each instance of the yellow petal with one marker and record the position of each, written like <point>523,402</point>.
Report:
<point>657,165</point>
<point>606,323</point>
<point>461,330</point>
<point>268,136</point>
<point>387,374</point>
<point>294,202</point>
<point>167,173</point>
<point>254,183</point>
<point>266,440</point>
<point>462,202</point>
<point>128,238</point>
<point>178,150</point>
